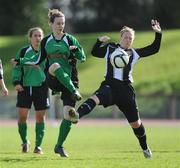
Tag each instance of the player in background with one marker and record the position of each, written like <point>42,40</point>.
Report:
<point>117,87</point>
<point>30,83</point>
<point>2,83</point>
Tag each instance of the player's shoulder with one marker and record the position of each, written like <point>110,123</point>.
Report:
<point>113,44</point>
<point>70,36</point>
<point>21,52</point>
<point>24,48</point>
<point>46,38</point>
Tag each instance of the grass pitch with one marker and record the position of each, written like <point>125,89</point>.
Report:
<point>93,146</point>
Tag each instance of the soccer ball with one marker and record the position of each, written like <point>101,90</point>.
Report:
<point>119,58</point>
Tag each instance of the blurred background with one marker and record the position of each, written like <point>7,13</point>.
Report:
<point>157,79</point>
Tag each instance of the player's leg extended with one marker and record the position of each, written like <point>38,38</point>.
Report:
<point>39,130</point>
<point>22,128</point>
<point>57,71</point>
<point>102,96</point>
<point>88,106</point>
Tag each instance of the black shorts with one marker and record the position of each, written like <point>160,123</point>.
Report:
<point>38,95</point>
<point>104,93</point>
<point>121,94</point>
<point>56,86</point>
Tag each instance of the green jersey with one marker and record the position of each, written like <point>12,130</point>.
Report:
<point>60,48</point>
<point>28,75</point>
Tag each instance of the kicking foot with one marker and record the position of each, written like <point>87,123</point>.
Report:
<point>60,150</point>
<point>147,153</point>
<point>74,116</point>
<point>38,150</point>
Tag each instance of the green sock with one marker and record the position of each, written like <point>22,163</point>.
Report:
<point>40,129</point>
<point>63,131</point>
<point>64,79</point>
<point>22,129</point>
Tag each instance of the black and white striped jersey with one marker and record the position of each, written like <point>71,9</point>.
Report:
<point>124,74</point>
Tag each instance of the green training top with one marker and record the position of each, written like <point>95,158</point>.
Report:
<point>28,75</point>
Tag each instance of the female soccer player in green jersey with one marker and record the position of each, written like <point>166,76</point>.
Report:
<point>62,51</point>
<point>57,48</point>
<point>30,83</point>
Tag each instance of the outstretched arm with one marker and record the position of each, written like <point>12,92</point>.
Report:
<point>155,46</point>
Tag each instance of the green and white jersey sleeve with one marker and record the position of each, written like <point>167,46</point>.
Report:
<point>28,75</point>
<point>79,53</point>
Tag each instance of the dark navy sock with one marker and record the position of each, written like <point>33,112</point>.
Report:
<point>141,135</point>
<point>86,107</point>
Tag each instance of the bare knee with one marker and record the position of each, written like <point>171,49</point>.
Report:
<point>40,116</point>
<point>136,124</point>
<point>22,115</point>
<point>95,98</point>
<point>53,68</point>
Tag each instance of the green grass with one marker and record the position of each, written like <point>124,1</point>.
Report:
<point>94,146</point>
<point>159,73</point>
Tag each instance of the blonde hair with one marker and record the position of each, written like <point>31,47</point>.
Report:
<point>53,13</point>
<point>32,30</point>
<point>127,29</point>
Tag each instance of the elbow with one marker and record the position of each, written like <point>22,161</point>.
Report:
<point>95,53</point>
<point>156,49</point>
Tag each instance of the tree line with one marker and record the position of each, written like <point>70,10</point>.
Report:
<point>88,15</point>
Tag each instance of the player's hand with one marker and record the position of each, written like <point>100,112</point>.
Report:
<point>19,88</point>
<point>104,39</point>
<point>13,61</point>
<point>73,48</point>
<point>156,26</point>
<point>4,91</point>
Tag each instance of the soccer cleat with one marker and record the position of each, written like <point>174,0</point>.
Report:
<point>76,96</point>
<point>74,116</point>
<point>147,153</point>
<point>38,150</point>
<point>60,150</point>
<point>25,147</point>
